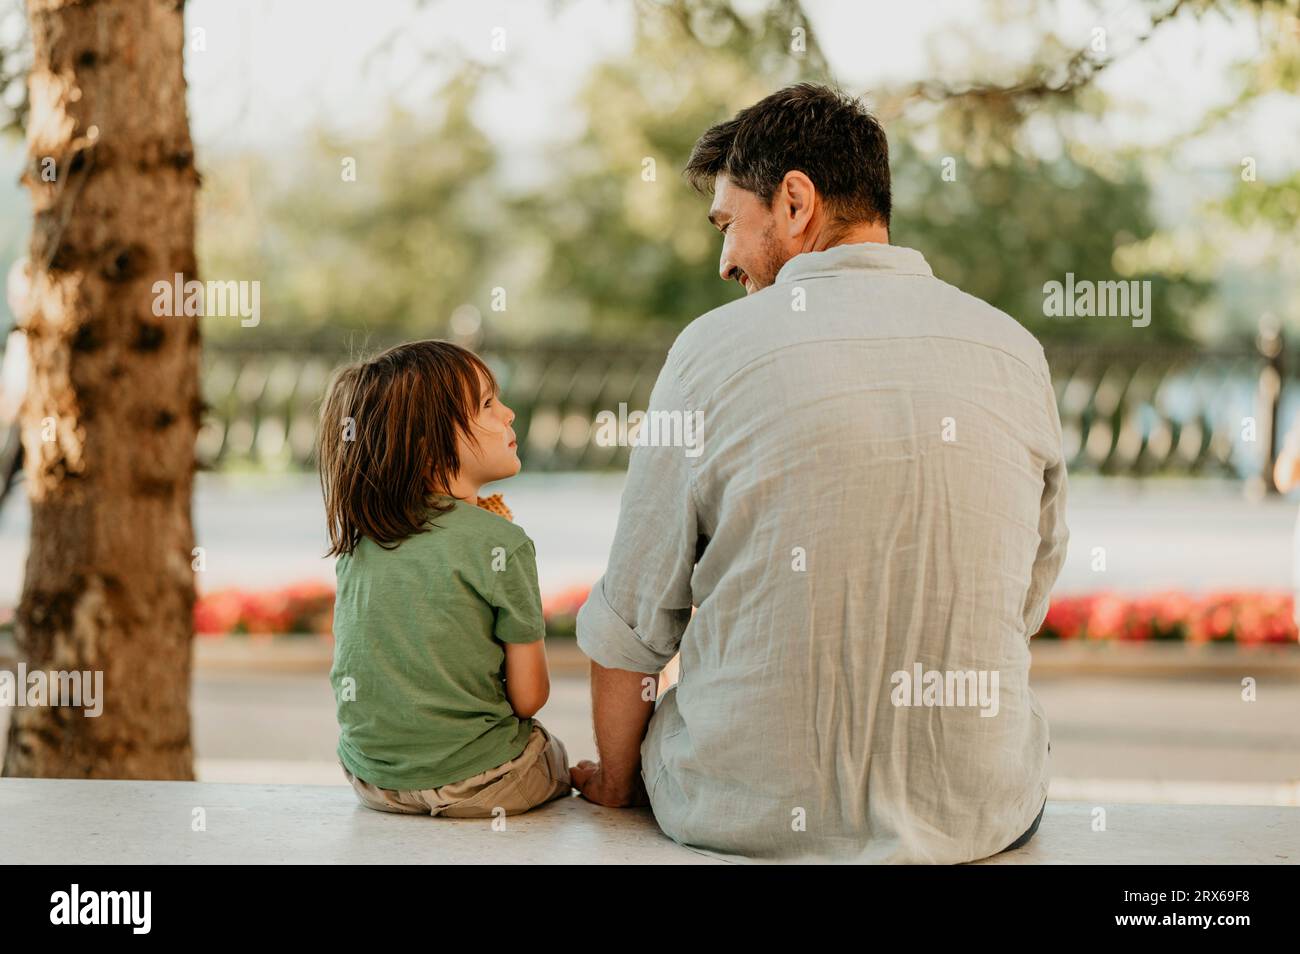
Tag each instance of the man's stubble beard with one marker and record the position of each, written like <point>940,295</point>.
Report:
<point>773,258</point>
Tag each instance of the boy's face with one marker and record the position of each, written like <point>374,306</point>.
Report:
<point>496,455</point>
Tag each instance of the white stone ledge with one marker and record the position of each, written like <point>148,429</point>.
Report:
<point>62,821</point>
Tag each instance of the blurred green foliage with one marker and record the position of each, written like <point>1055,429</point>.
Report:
<point>1002,230</point>
<point>385,235</point>
<point>610,241</point>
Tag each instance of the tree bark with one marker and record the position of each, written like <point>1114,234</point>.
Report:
<point>113,403</point>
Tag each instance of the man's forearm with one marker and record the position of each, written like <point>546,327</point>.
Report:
<point>621,711</point>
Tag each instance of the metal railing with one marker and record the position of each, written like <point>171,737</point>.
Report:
<point>1164,410</point>
<point>1154,410</point>
<point>1124,411</point>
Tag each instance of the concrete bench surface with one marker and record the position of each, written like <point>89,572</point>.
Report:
<point>63,821</point>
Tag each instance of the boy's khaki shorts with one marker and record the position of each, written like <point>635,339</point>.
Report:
<point>538,775</point>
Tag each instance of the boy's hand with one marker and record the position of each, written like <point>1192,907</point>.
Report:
<point>593,785</point>
<point>495,504</point>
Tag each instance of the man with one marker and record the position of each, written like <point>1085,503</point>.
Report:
<point>867,527</point>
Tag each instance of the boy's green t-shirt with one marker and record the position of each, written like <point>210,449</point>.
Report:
<point>418,655</point>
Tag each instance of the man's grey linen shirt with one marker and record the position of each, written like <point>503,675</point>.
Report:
<point>877,488</point>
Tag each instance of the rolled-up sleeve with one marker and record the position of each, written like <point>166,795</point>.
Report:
<point>1053,534</point>
<point>637,612</point>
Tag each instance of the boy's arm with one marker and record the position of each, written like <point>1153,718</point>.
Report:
<point>521,628</point>
<point>528,682</point>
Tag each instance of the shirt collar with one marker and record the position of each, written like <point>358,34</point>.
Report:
<point>856,257</point>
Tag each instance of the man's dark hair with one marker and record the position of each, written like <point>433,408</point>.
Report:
<point>827,135</point>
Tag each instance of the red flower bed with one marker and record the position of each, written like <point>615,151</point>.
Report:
<point>300,608</point>
<point>1248,618</point>
<point>560,610</point>
<point>309,608</point>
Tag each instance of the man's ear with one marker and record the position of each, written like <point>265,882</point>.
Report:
<point>796,199</point>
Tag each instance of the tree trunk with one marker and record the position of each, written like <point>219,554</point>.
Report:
<point>113,403</point>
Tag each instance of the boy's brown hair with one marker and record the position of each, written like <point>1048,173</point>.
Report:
<point>388,439</point>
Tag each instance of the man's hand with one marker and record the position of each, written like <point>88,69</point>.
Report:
<point>595,786</point>
<point>622,703</point>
